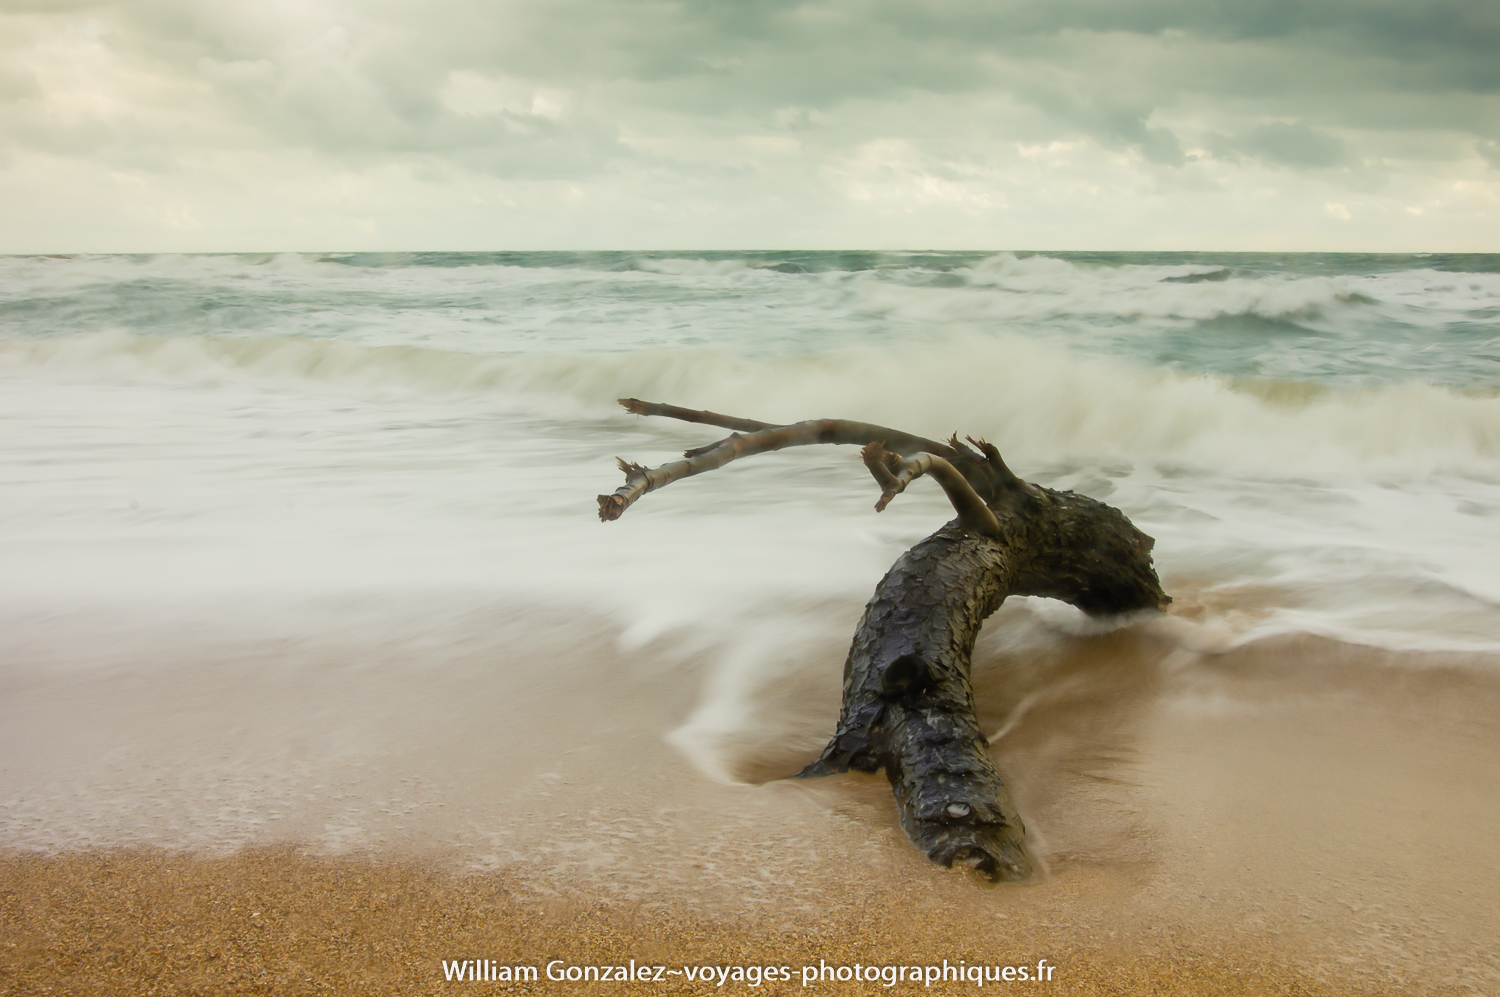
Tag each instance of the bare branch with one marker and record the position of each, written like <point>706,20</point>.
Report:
<point>893,473</point>
<point>987,477</point>
<point>640,480</point>
<point>830,430</point>
<point>639,407</point>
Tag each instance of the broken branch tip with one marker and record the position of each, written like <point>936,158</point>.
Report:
<point>611,507</point>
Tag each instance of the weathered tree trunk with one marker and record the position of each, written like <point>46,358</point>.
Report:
<point>908,702</point>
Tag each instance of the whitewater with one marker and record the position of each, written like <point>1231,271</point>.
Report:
<point>1313,440</point>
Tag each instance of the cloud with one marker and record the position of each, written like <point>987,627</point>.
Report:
<point>1490,150</point>
<point>1294,144</point>
<point>698,95</point>
<point>382,75</point>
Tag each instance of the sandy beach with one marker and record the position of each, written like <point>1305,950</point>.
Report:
<point>1294,817</point>
<point>275,922</point>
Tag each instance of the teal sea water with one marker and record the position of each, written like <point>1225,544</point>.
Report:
<point>1332,318</point>
<point>243,441</point>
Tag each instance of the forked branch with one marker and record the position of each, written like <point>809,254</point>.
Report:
<point>893,473</point>
<point>640,480</point>
<point>983,471</point>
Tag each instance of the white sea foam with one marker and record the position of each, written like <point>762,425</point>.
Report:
<point>324,423</point>
<point>1039,401</point>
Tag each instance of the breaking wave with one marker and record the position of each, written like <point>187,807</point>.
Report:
<point>1041,402</point>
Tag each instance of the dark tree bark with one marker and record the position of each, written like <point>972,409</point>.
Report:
<point>908,704</point>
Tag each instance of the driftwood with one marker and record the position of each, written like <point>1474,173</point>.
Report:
<point>908,703</point>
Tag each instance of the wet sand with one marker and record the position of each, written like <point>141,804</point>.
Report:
<point>300,813</point>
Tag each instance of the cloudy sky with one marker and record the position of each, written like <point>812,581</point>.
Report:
<point>166,125</point>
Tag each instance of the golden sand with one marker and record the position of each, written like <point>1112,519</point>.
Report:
<point>276,922</point>
<point>1294,817</point>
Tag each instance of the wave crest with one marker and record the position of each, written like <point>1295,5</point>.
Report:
<point>1039,402</point>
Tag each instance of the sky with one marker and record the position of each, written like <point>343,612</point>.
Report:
<point>327,125</point>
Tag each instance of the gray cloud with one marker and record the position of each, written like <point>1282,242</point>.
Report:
<point>944,101</point>
<point>1294,144</point>
<point>374,82</point>
<point>17,83</point>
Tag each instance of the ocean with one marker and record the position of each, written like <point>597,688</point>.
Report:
<point>1314,440</point>
<point>304,547</point>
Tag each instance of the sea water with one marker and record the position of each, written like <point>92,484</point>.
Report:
<point>1314,439</point>
<point>272,527</point>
